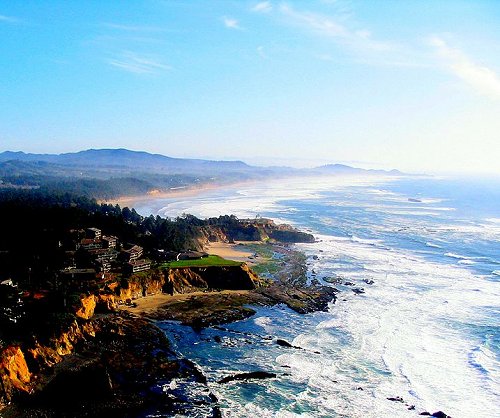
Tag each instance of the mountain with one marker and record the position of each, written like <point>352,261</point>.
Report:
<point>108,173</point>
<point>123,158</point>
<point>346,169</point>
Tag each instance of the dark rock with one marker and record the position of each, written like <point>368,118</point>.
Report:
<point>428,414</point>
<point>359,388</point>
<point>284,343</point>
<point>217,339</point>
<point>411,407</point>
<point>315,257</point>
<point>396,399</point>
<point>440,414</point>
<point>216,412</point>
<point>369,281</point>
<point>348,284</point>
<point>358,290</point>
<point>247,376</point>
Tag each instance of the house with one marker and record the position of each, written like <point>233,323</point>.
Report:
<point>109,241</point>
<point>132,254</point>
<point>103,254</point>
<point>103,266</point>
<point>93,233</point>
<point>138,265</point>
<point>90,243</point>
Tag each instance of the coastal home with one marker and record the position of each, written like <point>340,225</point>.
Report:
<point>132,254</point>
<point>90,243</point>
<point>138,265</point>
<point>93,233</point>
<point>109,241</point>
<point>107,254</point>
<point>103,266</point>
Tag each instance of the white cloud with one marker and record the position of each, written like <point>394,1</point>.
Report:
<point>263,7</point>
<point>327,26</point>
<point>231,23</point>
<point>133,28</point>
<point>483,79</point>
<point>138,64</point>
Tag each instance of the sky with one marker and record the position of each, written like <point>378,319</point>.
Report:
<point>412,85</point>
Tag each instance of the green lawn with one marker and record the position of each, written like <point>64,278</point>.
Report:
<point>211,260</point>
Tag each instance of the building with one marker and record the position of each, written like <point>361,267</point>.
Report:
<point>109,241</point>
<point>138,265</point>
<point>90,243</point>
<point>132,254</point>
<point>93,233</point>
<point>107,254</point>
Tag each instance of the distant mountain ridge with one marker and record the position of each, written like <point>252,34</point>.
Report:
<point>145,161</point>
<point>342,168</point>
<point>124,158</point>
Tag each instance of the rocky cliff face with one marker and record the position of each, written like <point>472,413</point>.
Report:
<point>185,280</point>
<point>14,373</point>
<point>19,366</point>
<point>118,371</point>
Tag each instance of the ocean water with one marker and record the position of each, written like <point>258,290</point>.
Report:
<point>427,329</point>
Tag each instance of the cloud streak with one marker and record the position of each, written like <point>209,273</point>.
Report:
<point>231,23</point>
<point>263,7</point>
<point>482,79</point>
<point>327,26</point>
<point>138,64</point>
<point>133,28</point>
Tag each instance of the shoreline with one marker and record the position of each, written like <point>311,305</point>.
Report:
<point>188,191</point>
<point>233,251</point>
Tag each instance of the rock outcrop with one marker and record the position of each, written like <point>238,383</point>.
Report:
<point>185,280</point>
<point>15,376</point>
<point>112,365</point>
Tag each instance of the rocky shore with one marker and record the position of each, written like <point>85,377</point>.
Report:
<point>120,366</point>
<point>111,360</point>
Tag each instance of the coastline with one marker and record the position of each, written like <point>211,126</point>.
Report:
<point>188,191</point>
<point>235,252</point>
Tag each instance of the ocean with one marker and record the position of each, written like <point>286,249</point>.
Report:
<point>427,328</point>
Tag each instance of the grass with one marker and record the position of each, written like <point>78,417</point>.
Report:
<point>211,260</point>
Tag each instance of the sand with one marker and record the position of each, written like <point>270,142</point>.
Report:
<point>233,252</point>
<point>147,304</point>
<point>179,192</point>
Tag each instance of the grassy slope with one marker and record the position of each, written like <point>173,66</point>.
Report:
<point>211,260</point>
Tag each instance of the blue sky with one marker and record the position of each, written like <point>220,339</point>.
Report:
<point>413,85</point>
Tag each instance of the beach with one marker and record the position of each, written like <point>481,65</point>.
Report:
<point>235,252</point>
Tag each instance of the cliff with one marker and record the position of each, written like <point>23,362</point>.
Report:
<point>185,280</point>
<point>20,366</point>
<point>173,281</point>
<point>23,368</point>
<point>113,365</point>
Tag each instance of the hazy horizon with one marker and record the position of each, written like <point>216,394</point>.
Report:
<point>409,85</point>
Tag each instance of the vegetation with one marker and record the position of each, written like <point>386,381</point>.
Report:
<point>211,260</point>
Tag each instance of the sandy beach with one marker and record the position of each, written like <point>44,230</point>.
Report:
<point>235,252</point>
<point>179,192</point>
